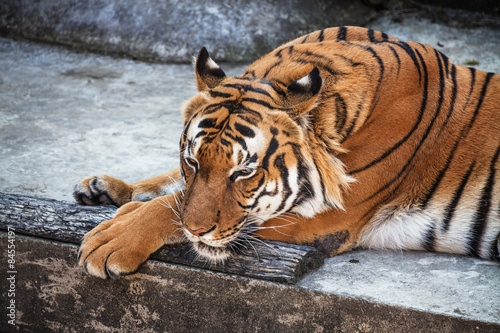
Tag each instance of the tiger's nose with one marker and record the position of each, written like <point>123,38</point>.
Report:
<point>198,232</point>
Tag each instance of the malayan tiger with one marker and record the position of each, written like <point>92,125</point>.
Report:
<point>342,138</point>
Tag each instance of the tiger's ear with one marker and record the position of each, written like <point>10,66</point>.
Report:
<point>303,93</point>
<point>208,74</point>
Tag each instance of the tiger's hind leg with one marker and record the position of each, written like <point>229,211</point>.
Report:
<point>317,231</point>
<point>106,190</point>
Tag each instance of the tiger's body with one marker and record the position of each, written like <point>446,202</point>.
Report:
<point>344,137</point>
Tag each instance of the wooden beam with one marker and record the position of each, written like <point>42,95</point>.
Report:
<point>68,222</point>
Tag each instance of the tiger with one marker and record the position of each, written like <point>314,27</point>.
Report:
<point>343,138</point>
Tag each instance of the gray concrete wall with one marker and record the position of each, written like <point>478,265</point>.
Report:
<point>172,30</point>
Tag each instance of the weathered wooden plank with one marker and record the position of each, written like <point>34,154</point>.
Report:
<point>68,222</point>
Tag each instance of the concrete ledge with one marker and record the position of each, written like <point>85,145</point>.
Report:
<point>52,293</point>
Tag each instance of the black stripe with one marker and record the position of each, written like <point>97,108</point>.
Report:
<point>249,73</point>
<point>201,133</point>
<point>251,159</point>
<point>472,81</point>
<point>450,209</point>
<point>277,88</point>
<point>380,63</point>
<point>453,96</point>
<point>238,139</point>
<point>244,130</point>
<point>324,65</point>
<point>371,35</point>
<point>427,198</point>
<point>494,255</point>
<point>340,111</point>
<point>271,149</point>
<point>219,94</point>
<point>415,126</point>
<point>244,207</point>
<point>303,54</point>
<point>190,145</point>
<point>186,129</point>
<point>342,33</point>
<point>385,37</point>
<point>245,111</point>
<point>411,52</point>
<point>441,85</point>
<point>212,108</point>
<point>352,124</point>
<point>271,68</point>
<point>321,36</point>
<point>248,120</point>
<point>447,63</point>
<point>304,173</point>
<point>208,123</point>
<point>396,55</point>
<point>481,97</point>
<point>483,210</point>
<point>260,102</point>
<point>224,142</point>
<point>279,163</point>
<point>248,87</point>
<point>429,238</point>
<point>322,183</point>
<point>259,185</point>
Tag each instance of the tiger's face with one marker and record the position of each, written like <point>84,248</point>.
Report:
<point>243,157</point>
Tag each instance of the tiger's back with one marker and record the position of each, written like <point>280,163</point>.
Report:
<point>420,135</point>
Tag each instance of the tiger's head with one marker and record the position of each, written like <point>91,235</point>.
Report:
<point>248,154</point>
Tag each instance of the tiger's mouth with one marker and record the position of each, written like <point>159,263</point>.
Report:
<point>214,254</point>
<point>220,250</point>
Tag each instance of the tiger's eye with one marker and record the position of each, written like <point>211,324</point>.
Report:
<point>240,173</point>
<point>191,162</point>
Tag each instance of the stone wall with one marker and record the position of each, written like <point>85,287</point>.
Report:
<point>172,30</point>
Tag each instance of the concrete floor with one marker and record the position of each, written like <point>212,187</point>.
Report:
<point>67,115</point>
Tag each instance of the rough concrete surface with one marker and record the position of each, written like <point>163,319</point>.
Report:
<point>170,30</point>
<point>53,295</point>
<point>438,283</point>
<point>67,115</point>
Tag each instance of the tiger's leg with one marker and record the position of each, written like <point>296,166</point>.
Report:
<point>106,190</point>
<point>119,246</point>
<point>331,232</point>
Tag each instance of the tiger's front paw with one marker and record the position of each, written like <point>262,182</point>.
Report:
<point>112,249</point>
<point>102,190</point>
<point>119,246</point>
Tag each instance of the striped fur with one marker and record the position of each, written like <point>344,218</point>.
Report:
<point>354,138</point>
